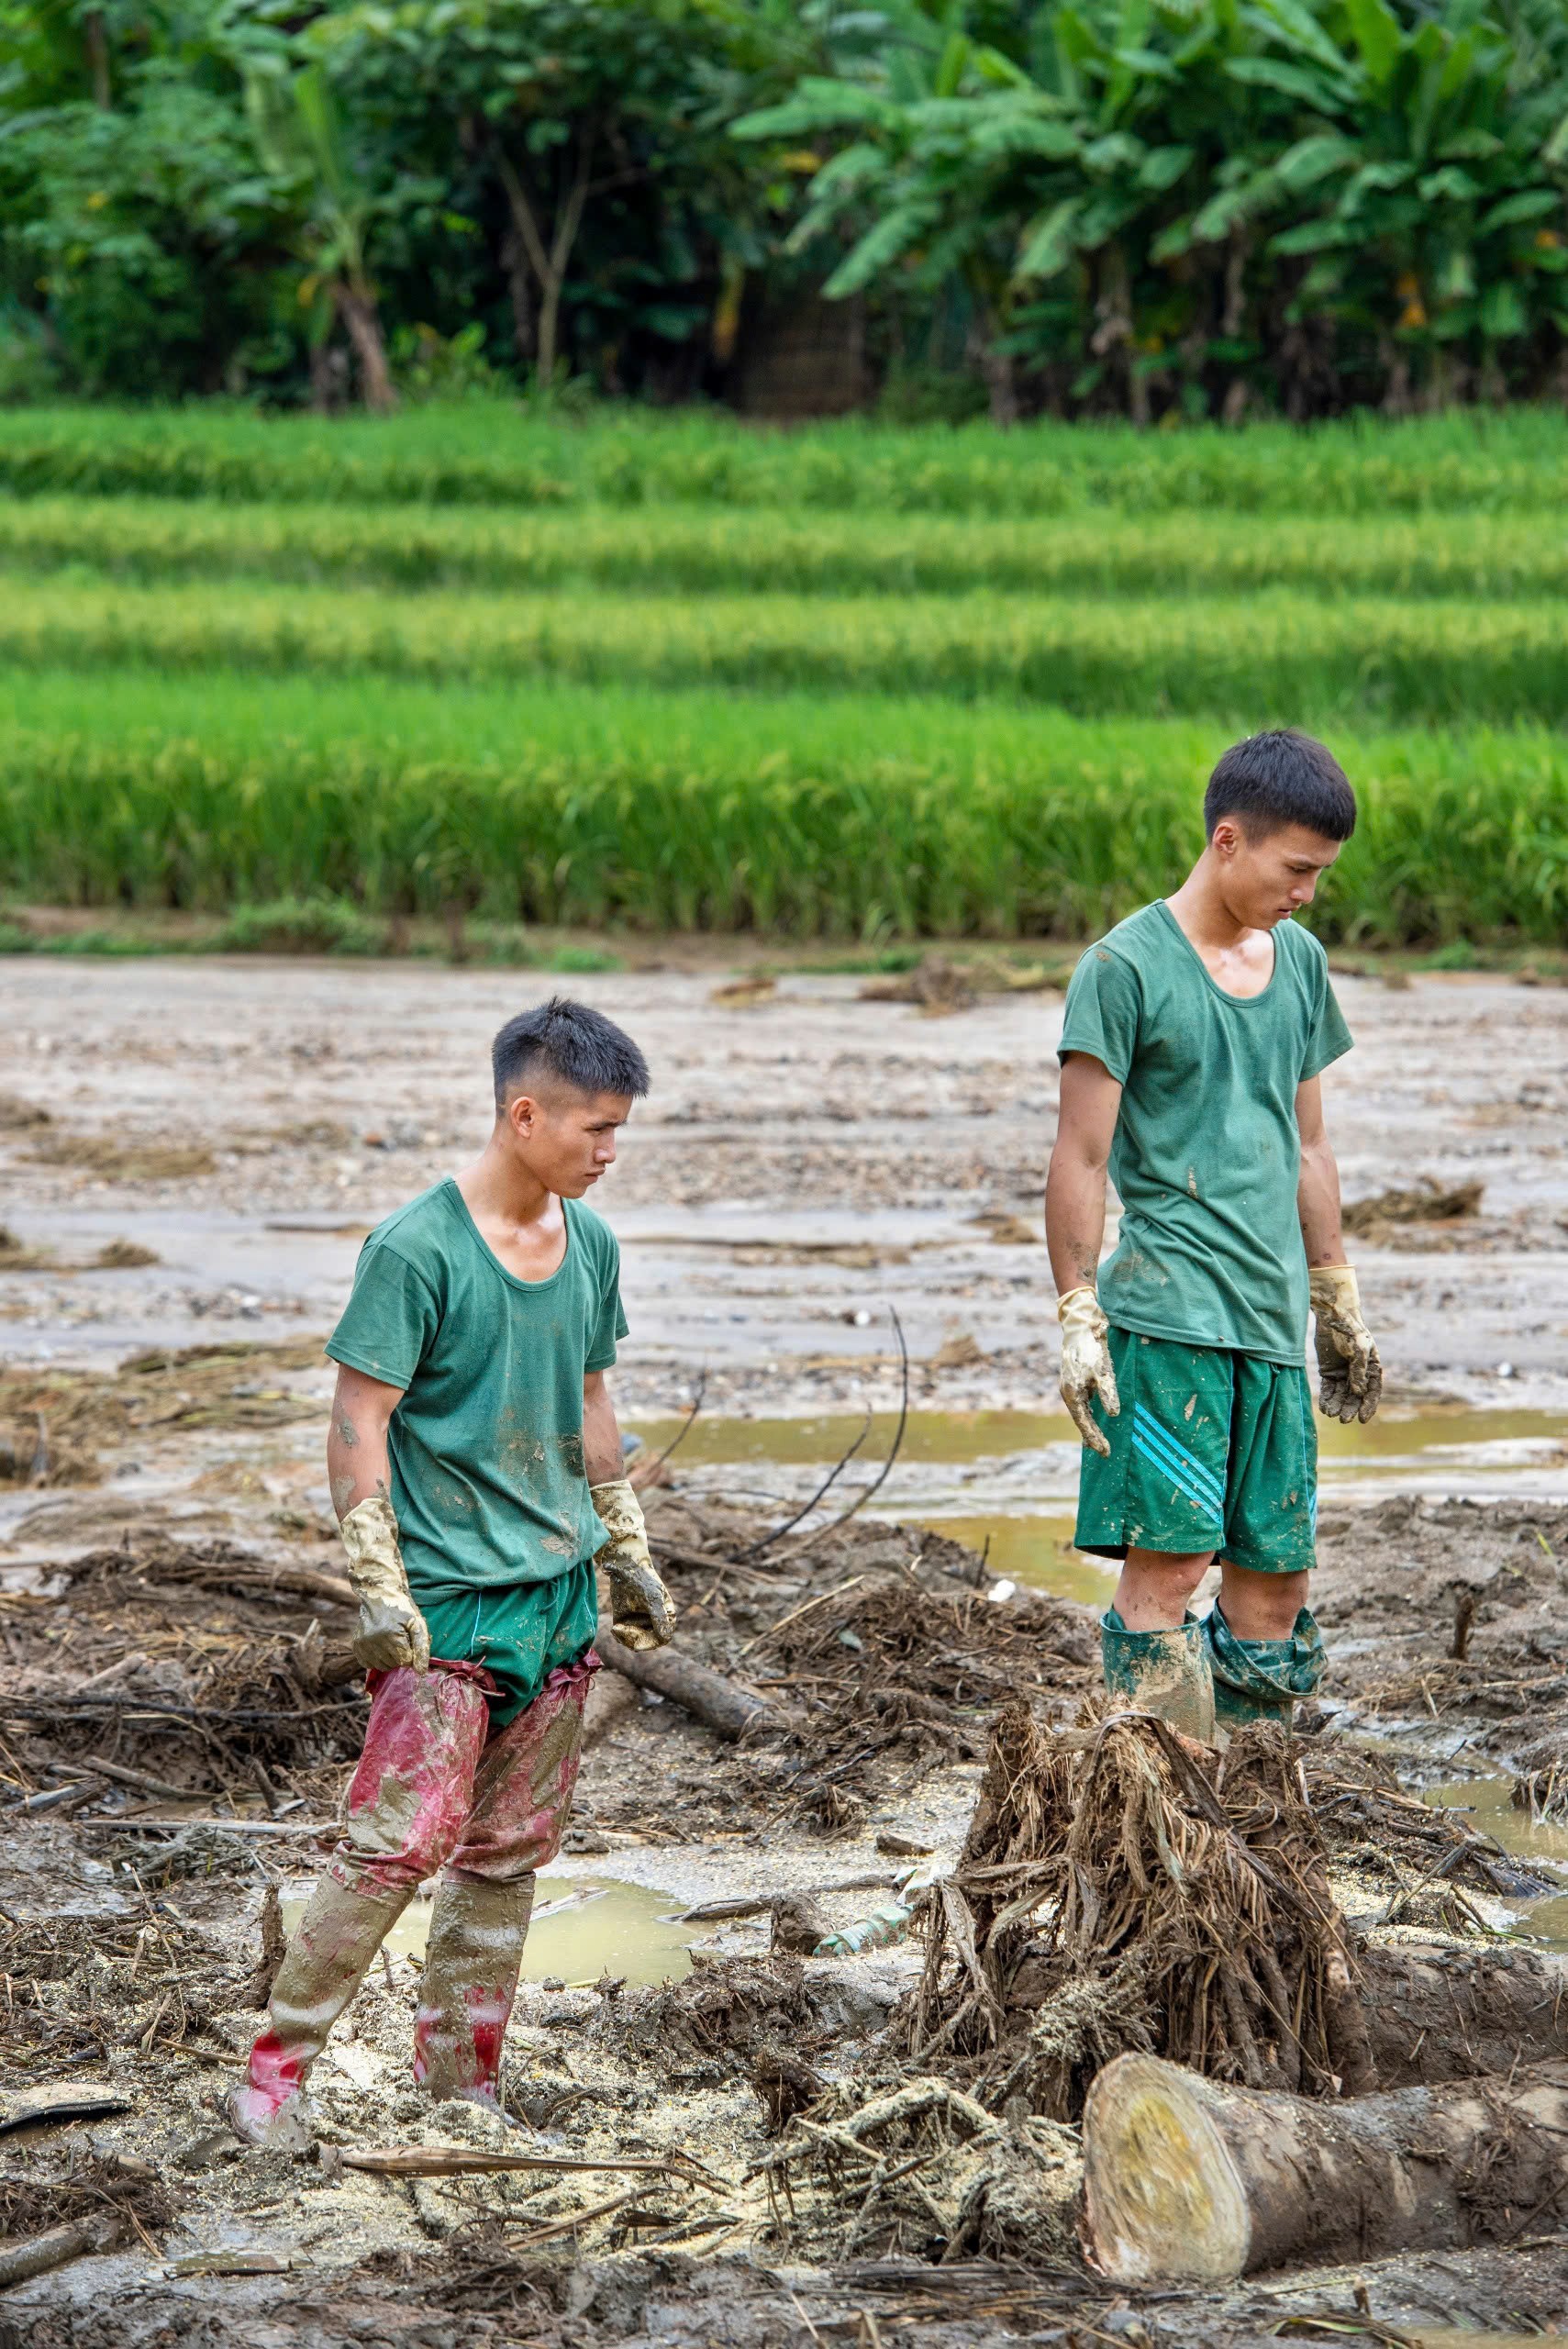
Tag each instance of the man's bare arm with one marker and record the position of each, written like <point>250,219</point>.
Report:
<point>1349,1372</point>
<point>641,1611</point>
<point>1318,1190</point>
<point>1076,1183</point>
<point>602,1457</point>
<point>357,1468</point>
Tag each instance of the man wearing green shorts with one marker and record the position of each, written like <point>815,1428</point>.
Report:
<point>475,1467</point>
<point>1195,1036</point>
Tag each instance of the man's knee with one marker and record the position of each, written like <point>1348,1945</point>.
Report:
<point>1260,1606</point>
<point>1156,1585</point>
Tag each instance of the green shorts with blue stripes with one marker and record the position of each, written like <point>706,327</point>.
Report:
<point>1211,1449</point>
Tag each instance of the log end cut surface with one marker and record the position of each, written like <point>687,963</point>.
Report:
<point>1162,2197</point>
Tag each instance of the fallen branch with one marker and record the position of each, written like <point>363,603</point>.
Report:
<point>471,2161</point>
<point>138,1824</point>
<point>708,1695</point>
<point>38,2254</point>
<point>682,1433</point>
<point>823,1489</point>
<point>877,1485</point>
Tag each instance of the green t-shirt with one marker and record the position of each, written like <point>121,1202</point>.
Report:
<point>1206,1151</point>
<point>488,1484</point>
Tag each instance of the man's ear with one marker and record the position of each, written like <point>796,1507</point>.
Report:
<point>1226,837</point>
<point>522,1115</point>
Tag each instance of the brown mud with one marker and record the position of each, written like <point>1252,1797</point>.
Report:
<point>836,2158</point>
<point>911,1150</point>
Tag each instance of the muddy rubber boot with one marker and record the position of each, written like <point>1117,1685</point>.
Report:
<point>1261,1679</point>
<point>472,1962</point>
<point>1163,1673</point>
<point>323,1967</point>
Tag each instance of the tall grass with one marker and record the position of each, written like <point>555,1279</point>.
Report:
<point>696,550</point>
<point>867,817</point>
<point>1261,660</point>
<point>494,455</point>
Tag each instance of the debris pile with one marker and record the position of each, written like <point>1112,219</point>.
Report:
<point>1122,1888</point>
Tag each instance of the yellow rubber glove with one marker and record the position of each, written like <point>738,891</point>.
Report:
<point>1349,1372</point>
<point>392,1629</point>
<point>641,1611</point>
<point>1086,1364</point>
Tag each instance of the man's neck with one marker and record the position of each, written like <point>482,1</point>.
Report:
<point>497,1186</point>
<point>1201,913</point>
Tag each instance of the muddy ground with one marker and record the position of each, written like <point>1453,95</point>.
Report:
<point>804,1160</point>
<point>167,1611</point>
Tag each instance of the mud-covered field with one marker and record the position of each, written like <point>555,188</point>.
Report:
<point>807,1157</point>
<point>820,2148</point>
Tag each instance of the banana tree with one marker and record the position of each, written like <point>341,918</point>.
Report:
<point>299,135</point>
<point>1211,198</point>
<point>928,141</point>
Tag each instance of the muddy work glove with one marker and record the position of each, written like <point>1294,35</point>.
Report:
<point>392,1629</point>
<point>1350,1375</point>
<point>1086,1364</point>
<point>641,1611</point>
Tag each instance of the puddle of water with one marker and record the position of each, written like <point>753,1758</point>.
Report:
<point>623,1929</point>
<point>940,1436</point>
<point>1485,1803</point>
<point>1035,1551</point>
<point>949,1437</point>
<point>1012,1477</point>
<point>1454,2336</point>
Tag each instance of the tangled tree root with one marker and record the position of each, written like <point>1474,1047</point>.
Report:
<point>1122,1889</point>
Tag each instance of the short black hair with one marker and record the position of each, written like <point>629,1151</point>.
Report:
<point>575,1045</point>
<point>1278,779</point>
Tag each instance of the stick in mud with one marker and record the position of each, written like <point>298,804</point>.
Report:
<point>728,1710</point>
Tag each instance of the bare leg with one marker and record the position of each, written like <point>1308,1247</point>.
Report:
<point>1156,1585</point>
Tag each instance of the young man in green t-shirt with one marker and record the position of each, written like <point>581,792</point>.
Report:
<point>475,1467</point>
<point>1195,1036</point>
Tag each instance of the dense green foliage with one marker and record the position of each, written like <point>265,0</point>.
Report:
<point>660,712</point>
<point>1180,208</point>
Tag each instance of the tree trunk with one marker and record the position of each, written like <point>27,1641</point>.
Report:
<point>95,33</point>
<point>1455,2014</point>
<point>514,263</point>
<point>729,1710</point>
<point>1190,2182</point>
<point>358,312</point>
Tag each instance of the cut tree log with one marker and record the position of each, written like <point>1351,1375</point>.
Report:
<point>727,1708</point>
<point>1459,2013</point>
<point>610,1699</point>
<point>1188,2181</point>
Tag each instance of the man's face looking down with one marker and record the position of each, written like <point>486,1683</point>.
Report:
<point>1267,876</point>
<point>565,1139</point>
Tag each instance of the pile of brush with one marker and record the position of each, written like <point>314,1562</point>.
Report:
<point>1123,1889</point>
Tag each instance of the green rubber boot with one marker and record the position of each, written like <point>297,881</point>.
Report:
<point>1261,1679</point>
<point>1163,1673</point>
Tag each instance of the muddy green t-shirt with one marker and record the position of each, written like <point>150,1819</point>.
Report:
<point>487,1474</point>
<point>1206,1151</point>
